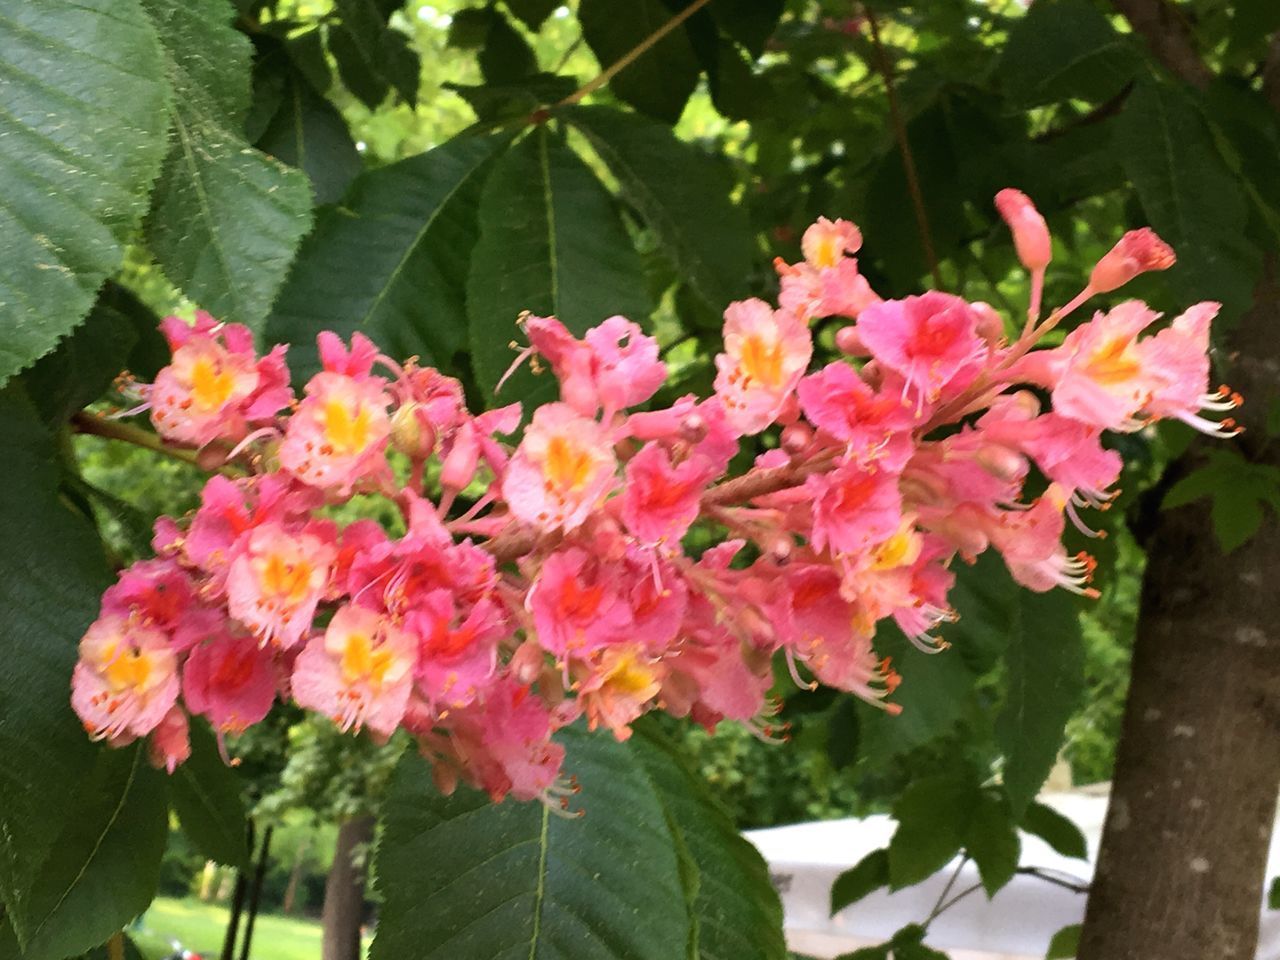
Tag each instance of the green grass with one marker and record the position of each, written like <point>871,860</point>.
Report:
<point>201,926</point>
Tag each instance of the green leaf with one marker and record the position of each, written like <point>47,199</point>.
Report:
<point>506,56</point>
<point>739,916</point>
<point>1273,894</point>
<point>372,55</point>
<point>1045,683</point>
<point>206,795</point>
<point>933,816</point>
<point>52,573</point>
<point>83,366</point>
<point>1055,830</point>
<point>992,841</point>
<point>935,691</point>
<point>466,879</point>
<point>866,876</point>
<point>551,242</point>
<point>391,262</point>
<point>517,99</point>
<point>307,132</point>
<point>103,869</point>
<point>661,79</point>
<point>750,22</point>
<point>699,228</point>
<point>1064,944</point>
<point>985,599</point>
<point>1065,49</point>
<point>81,140</point>
<point>532,12</point>
<point>1239,489</point>
<point>1192,198</point>
<point>226,218</point>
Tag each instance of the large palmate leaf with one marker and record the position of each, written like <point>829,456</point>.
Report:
<point>372,56</point>
<point>660,80</point>
<point>1191,196</point>
<point>739,916</point>
<point>82,135</point>
<point>700,229</point>
<point>297,125</point>
<point>103,870</point>
<point>1065,49</point>
<point>206,796</point>
<point>226,218</point>
<point>465,879</point>
<point>392,261</point>
<point>551,242</point>
<point>51,574</point>
<point>1045,662</point>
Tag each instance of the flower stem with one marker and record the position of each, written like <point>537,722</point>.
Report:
<point>99,426</point>
<point>632,55</point>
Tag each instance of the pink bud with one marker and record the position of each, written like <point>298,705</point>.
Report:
<point>460,465</point>
<point>527,662</point>
<point>849,342</point>
<point>990,323</point>
<point>1001,462</point>
<point>1137,252</point>
<point>1030,234</point>
<point>796,437</point>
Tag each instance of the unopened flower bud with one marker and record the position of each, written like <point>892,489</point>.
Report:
<point>850,343</point>
<point>693,429</point>
<point>1001,462</point>
<point>460,463</point>
<point>1030,234</point>
<point>1137,252</point>
<point>1025,405</point>
<point>411,433</point>
<point>445,777</point>
<point>527,662</point>
<point>990,323</point>
<point>796,437</point>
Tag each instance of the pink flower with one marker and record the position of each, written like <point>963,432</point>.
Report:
<point>766,353</point>
<point>214,386</point>
<point>577,604</point>
<point>231,680</point>
<point>626,368</point>
<point>822,628</point>
<point>170,744</point>
<point>561,471</point>
<point>457,648</point>
<point>1030,234</point>
<point>125,680</point>
<point>359,673</point>
<point>931,341</point>
<point>827,242</point>
<point>1138,251</point>
<point>160,593</point>
<point>853,508</point>
<point>1178,358</point>
<point>874,424</point>
<point>620,684</point>
<point>512,729</point>
<point>1099,376</point>
<point>278,578</point>
<point>1031,543</point>
<point>338,434</point>
<point>661,500</point>
<point>614,366</point>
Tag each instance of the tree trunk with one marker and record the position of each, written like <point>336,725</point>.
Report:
<point>295,876</point>
<point>344,893</point>
<point>1181,869</point>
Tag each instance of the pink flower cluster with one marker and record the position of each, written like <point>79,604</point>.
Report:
<point>541,574</point>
